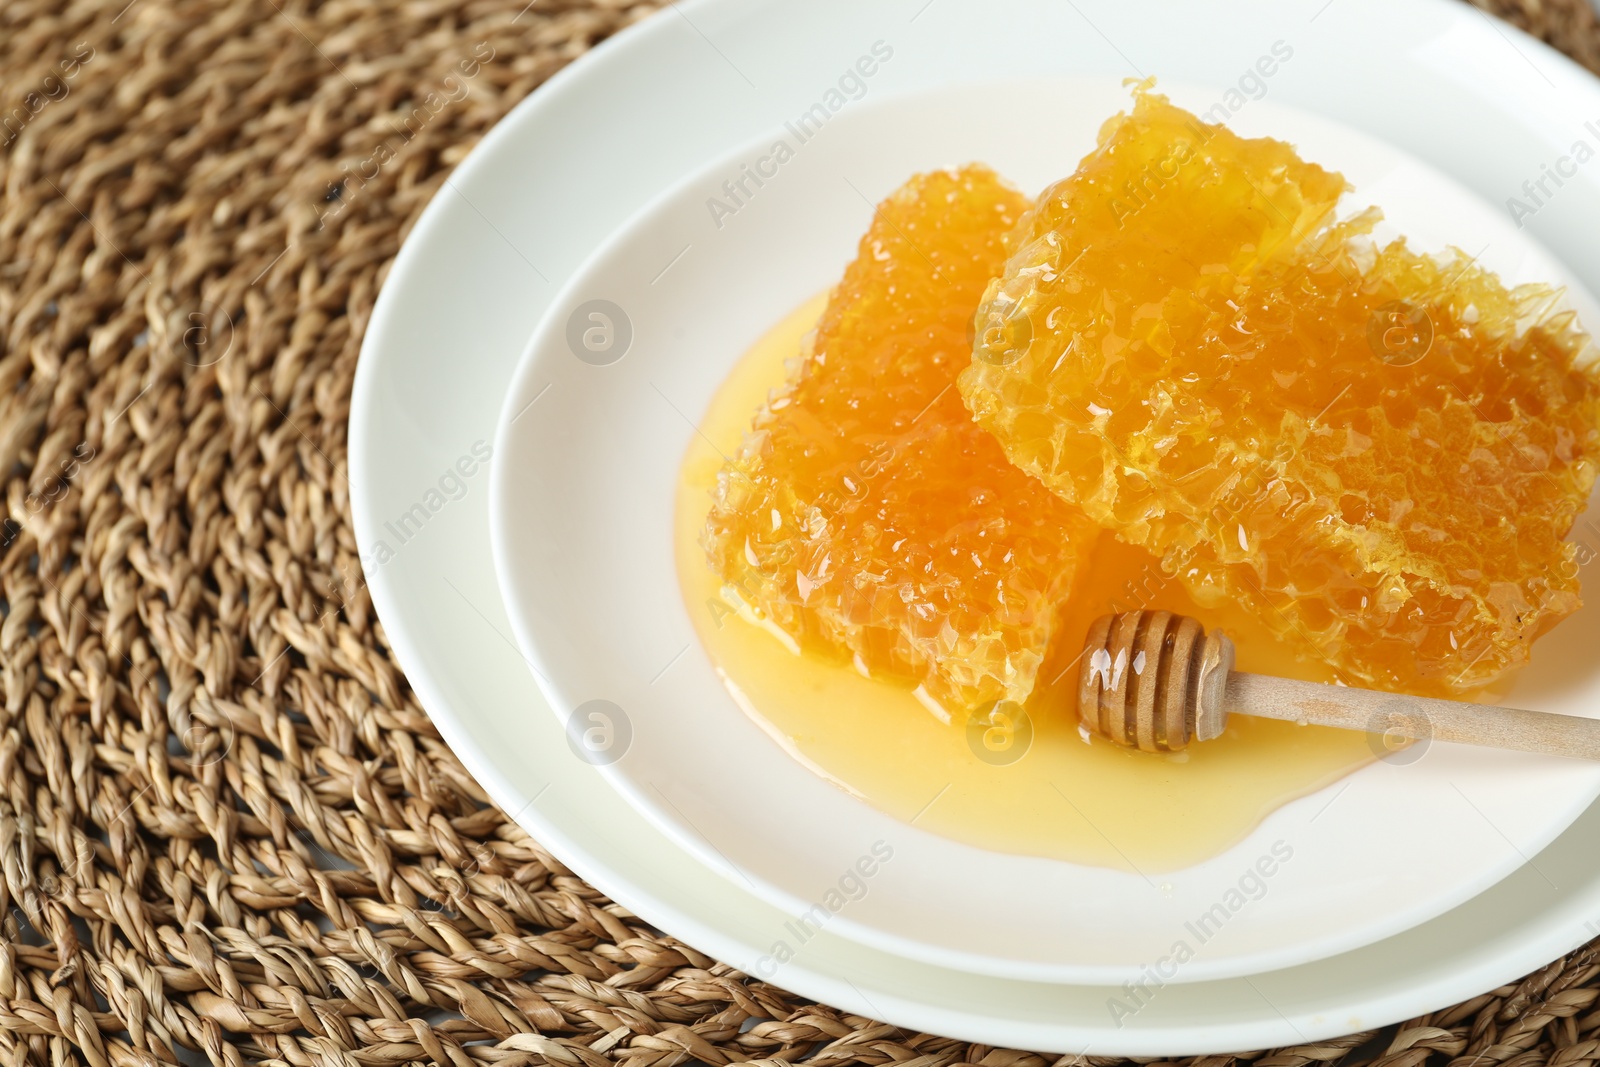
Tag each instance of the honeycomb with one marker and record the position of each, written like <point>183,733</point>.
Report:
<point>866,514</point>
<point>1377,452</point>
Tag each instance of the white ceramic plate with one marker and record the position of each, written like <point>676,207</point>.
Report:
<point>582,513</point>
<point>569,166</point>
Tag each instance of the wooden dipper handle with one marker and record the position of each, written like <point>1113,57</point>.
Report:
<point>1155,681</point>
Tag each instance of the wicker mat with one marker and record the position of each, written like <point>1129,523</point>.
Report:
<point>228,832</point>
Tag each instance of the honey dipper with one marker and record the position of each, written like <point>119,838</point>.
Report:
<point>1155,681</point>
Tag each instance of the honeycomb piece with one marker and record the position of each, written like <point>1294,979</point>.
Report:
<point>1377,452</point>
<point>866,514</point>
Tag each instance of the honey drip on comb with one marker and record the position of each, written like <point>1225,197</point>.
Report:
<point>1063,799</point>
<point>1379,453</point>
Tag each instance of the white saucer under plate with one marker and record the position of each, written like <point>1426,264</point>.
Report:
<point>1473,98</point>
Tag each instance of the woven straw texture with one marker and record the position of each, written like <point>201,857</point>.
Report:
<point>228,832</point>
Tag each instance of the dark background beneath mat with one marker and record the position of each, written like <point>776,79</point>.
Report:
<point>197,592</point>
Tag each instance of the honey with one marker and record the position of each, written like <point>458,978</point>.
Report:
<point>1377,453</point>
<point>1032,786</point>
<point>866,515</point>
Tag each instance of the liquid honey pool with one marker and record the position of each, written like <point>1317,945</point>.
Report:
<point>1033,788</point>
